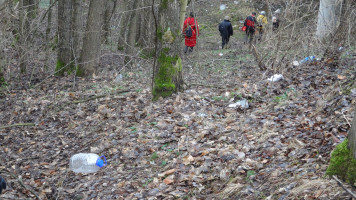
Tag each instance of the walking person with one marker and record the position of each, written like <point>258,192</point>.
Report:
<point>191,31</point>
<point>261,24</point>
<point>275,20</point>
<point>225,29</point>
<point>250,27</point>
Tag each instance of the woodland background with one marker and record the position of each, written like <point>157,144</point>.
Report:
<point>78,76</point>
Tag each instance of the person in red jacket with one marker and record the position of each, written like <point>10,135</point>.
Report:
<point>250,23</point>
<point>191,41</point>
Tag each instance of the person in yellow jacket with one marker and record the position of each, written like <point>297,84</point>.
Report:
<point>261,24</point>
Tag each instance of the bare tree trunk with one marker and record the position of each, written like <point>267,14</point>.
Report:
<point>327,18</point>
<point>121,44</point>
<point>109,11</point>
<point>91,51</point>
<point>168,76</point>
<point>64,54</point>
<point>24,27</point>
<point>76,28</point>
<point>130,49</point>
<point>48,33</point>
<point>352,136</point>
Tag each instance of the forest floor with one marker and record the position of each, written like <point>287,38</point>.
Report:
<point>189,146</point>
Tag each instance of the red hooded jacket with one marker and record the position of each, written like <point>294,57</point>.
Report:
<point>191,41</point>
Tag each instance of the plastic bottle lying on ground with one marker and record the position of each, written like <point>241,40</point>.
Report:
<point>307,60</point>
<point>86,162</point>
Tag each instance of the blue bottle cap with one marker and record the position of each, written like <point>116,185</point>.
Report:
<point>100,162</point>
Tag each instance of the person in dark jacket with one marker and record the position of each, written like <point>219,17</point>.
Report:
<point>2,184</point>
<point>226,31</point>
<point>250,24</point>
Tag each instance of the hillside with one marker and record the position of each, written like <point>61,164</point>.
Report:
<point>193,145</point>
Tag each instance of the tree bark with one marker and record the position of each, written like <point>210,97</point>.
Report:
<point>76,28</point>
<point>122,44</point>
<point>24,28</point>
<point>91,51</point>
<point>48,32</point>
<point>109,11</point>
<point>327,18</point>
<point>64,54</point>
<point>352,136</point>
<point>130,48</point>
<point>168,76</point>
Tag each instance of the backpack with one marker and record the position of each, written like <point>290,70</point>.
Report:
<point>221,27</point>
<point>189,32</point>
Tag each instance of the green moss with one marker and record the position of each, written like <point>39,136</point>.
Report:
<point>169,67</point>
<point>59,68</point>
<point>160,33</point>
<point>342,163</point>
<point>164,4</point>
<point>80,71</point>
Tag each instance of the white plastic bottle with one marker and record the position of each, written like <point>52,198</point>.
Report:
<point>86,162</point>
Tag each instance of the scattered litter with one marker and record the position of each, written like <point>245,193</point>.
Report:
<point>242,103</point>
<point>276,77</point>
<point>341,48</point>
<point>220,54</point>
<point>222,7</point>
<point>307,59</point>
<point>295,63</point>
<point>118,78</point>
<point>236,2</point>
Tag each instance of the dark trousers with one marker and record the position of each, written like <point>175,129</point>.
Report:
<point>250,32</point>
<point>225,41</point>
<point>188,49</point>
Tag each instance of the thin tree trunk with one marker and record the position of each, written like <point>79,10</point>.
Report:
<point>352,136</point>
<point>24,27</point>
<point>91,51</point>
<point>76,28</point>
<point>121,44</point>
<point>109,11</point>
<point>130,49</point>
<point>64,54</point>
<point>48,34</point>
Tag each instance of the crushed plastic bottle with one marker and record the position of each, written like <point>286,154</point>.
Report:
<point>307,59</point>
<point>276,78</point>
<point>86,162</point>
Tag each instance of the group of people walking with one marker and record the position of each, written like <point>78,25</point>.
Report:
<point>251,24</point>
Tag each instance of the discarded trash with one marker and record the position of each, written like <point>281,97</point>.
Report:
<point>341,48</point>
<point>295,63</point>
<point>222,7</point>
<point>276,77</point>
<point>220,54</point>
<point>118,78</point>
<point>353,92</point>
<point>236,2</point>
<point>307,59</point>
<point>242,103</point>
<point>86,162</point>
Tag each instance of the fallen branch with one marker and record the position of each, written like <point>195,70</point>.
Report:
<point>344,187</point>
<point>19,124</point>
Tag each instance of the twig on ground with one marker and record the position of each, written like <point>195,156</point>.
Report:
<point>18,124</point>
<point>19,179</point>
<point>344,187</point>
